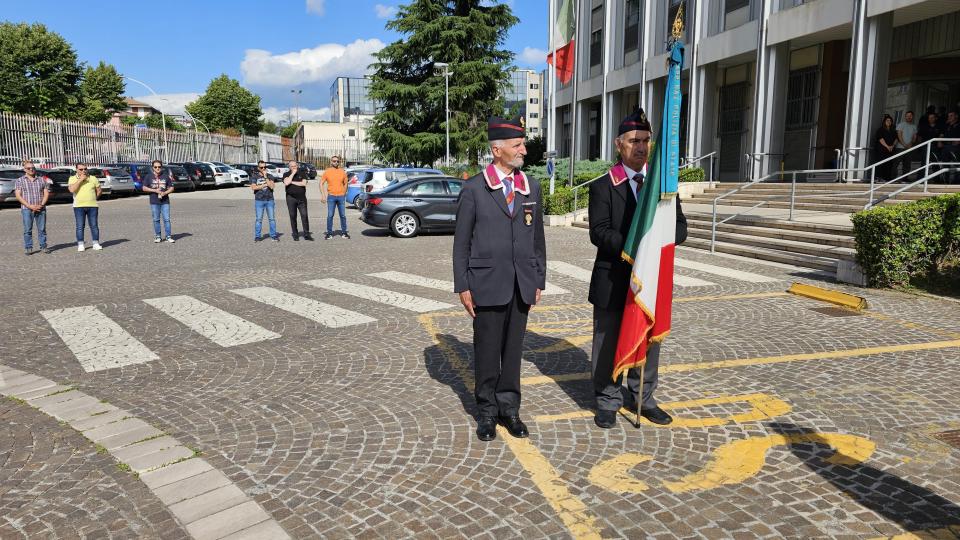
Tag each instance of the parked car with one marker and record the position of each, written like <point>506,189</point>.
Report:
<point>377,178</point>
<point>11,160</point>
<point>8,177</point>
<point>221,174</point>
<point>251,170</point>
<point>113,180</point>
<point>282,168</point>
<point>133,168</point>
<point>201,174</point>
<point>181,178</point>
<point>240,177</point>
<point>310,168</point>
<point>408,207</point>
<point>59,180</point>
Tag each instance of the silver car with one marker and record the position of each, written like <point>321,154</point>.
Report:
<point>8,177</point>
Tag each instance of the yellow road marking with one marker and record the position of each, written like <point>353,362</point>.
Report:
<point>564,344</point>
<point>744,362</point>
<point>951,532</point>
<point>764,407</point>
<point>736,461</point>
<point>571,510</point>
<point>912,325</point>
<point>614,474</point>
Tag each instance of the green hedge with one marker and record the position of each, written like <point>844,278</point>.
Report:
<point>561,202</point>
<point>898,242</point>
<point>692,174</point>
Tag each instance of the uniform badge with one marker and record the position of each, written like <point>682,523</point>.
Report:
<point>528,216</point>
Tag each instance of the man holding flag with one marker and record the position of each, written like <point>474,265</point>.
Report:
<point>629,321</point>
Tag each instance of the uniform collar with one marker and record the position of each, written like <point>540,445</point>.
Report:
<point>494,179</point>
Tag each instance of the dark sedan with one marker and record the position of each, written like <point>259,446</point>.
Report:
<point>201,174</point>
<point>426,203</point>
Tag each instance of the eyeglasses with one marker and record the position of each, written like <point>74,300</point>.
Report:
<point>81,170</point>
<point>157,167</point>
<point>28,168</point>
<point>261,168</point>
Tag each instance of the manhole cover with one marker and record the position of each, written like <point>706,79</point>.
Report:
<point>950,437</point>
<point>836,312</point>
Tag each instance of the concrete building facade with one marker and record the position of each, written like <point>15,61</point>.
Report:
<point>796,84</point>
<point>350,101</point>
<point>524,96</point>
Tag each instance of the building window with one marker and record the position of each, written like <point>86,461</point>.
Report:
<point>631,32</point>
<point>534,115</point>
<point>534,86</point>
<point>802,96</point>
<point>596,36</point>
<point>733,5</point>
<point>534,101</point>
<point>534,130</point>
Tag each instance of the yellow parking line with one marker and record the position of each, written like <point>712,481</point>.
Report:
<point>950,531</point>
<point>744,362</point>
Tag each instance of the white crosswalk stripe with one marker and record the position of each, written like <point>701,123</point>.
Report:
<point>96,340</point>
<point>440,284</point>
<point>723,271</point>
<point>220,327</point>
<point>569,270</point>
<point>322,313</point>
<point>687,281</point>
<point>384,296</point>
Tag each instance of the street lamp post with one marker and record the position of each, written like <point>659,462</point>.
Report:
<point>163,117</point>
<point>446,92</point>
<point>296,95</point>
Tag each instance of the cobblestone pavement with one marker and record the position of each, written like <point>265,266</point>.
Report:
<point>330,382</point>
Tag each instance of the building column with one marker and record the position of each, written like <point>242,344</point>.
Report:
<point>769,101</point>
<point>701,96</point>
<point>867,87</point>
<point>605,101</point>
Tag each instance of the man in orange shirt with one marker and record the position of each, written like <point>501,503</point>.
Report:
<point>333,191</point>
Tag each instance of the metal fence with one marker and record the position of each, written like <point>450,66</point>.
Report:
<point>63,142</point>
<point>319,151</point>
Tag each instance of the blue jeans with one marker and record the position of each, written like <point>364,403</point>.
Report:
<point>91,214</point>
<point>29,216</point>
<point>159,210</point>
<point>337,202</point>
<point>259,207</point>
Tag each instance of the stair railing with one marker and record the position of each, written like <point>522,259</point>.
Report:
<point>576,190</point>
<point>691,161</point>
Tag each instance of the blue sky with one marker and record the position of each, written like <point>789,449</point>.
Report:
<point>176,47</point>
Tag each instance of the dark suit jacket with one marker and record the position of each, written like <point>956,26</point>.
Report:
<point>493,250</point>
<point>611,214</point>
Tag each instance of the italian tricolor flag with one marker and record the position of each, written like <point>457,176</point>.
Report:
<point>649,248</point>
<point>563,42</point>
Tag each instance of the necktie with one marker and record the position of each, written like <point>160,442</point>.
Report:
<point>638,178</point>
<point>508,181</point>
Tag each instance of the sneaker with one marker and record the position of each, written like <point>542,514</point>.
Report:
<point>27,251</point>
<point>327,236</point>
<point>80,247</point>
<point>257,239</point>
<point>346,235</point>
<point>157,240</point>
<point>46,250</point>
<point>275,239</point>
<point>97,247</point>
<point>170,240</point>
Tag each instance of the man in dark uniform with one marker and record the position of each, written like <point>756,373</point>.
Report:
<point>499,269</point>
<point>613,200</point>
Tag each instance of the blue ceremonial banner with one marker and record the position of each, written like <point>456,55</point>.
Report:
<point>670,145</point>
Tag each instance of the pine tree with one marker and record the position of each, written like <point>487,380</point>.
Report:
<point>466,34</point>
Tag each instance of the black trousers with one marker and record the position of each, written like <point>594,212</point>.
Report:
<point>295,204</point>
<point>497,347</point>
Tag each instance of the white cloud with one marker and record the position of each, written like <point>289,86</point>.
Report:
<point>531,56</point>
<point>324,62</point>
<point>169,103</point>
<point>385,12</point>
<point>275,115</point>
<point>316,6</point>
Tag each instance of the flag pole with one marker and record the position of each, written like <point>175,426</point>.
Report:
<point>573,103</point>
<point>639,397</point>
<point>552,123</point>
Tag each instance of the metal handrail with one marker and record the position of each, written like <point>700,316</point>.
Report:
<point>750,158</point>
<point>578,186</point>
<point>694,160</point>
<point>925,180</point>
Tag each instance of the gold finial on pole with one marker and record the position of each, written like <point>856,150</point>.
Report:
<point>678,22</point>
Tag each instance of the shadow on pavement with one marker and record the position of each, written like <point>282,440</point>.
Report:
<point>376,233</point>
<point>911,506</point>
<point>178,236</point>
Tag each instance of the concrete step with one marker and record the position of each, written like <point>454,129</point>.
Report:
<point>834,240</point>
<point>819,207</point>
<point>766,222</point>
<point>777,244</point>
<point>753,252</point>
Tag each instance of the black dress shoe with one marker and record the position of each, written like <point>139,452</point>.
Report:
<point>486,428</point>
<point>656,415</point>
<point>308,238</point>
<point>515,426</point>
<point>296,238</point>
<point>605,419</point>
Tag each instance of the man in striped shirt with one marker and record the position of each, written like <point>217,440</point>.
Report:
<point>33,192</point>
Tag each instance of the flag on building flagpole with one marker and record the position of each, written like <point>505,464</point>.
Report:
<point>562,49</point>
<point>650,242</point>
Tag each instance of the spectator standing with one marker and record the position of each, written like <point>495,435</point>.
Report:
<point>33,193</point>
<point>295,185</point>
<point>262,186</point>
<point>159,184</point>
<point>906,139</point>
<point>333,191</point>
<point>86,190</point>
<point>884,141</point>
<point>929,130</point>
<point>950,150</point>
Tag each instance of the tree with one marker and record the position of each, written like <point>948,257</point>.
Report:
<point>102,91</point>
<point>290,131</point>
<point>226,104</point>
<point>466,34</point>
<point>536,147</point>
<point>270,127</point>
<point>39,72</point>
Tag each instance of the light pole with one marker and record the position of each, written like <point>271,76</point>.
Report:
<point>296,95</point>
<point>163,117</point>
<point>446,92</point>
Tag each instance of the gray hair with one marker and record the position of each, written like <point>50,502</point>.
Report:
<point>497,143</point>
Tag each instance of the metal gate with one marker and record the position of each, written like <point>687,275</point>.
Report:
<point>732,129</point>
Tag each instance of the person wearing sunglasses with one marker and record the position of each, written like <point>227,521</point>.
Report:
<point>333,191</point>
<point>295,184</point>
<point>159,184</point>
<point>262,186</point>
<point>86,191</point>
<point>33,192</point>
